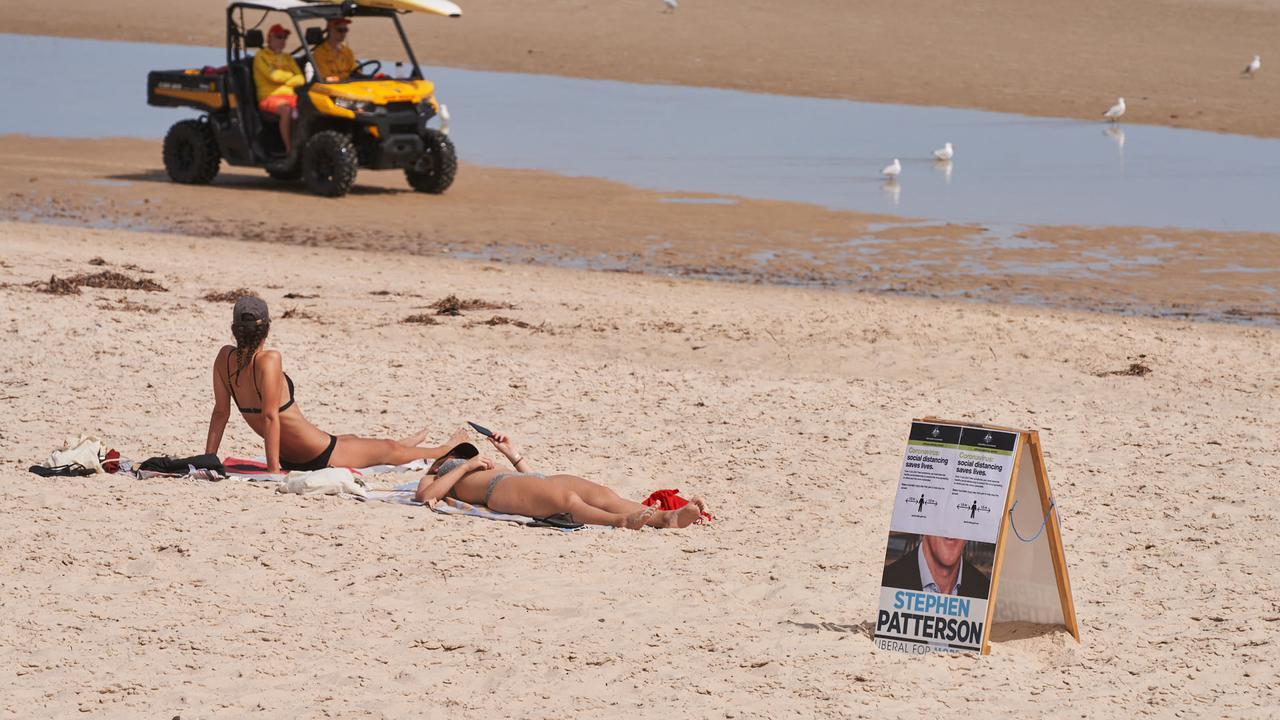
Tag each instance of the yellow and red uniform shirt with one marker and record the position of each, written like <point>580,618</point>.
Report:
<point>333,63</point>
<point>275,73</point>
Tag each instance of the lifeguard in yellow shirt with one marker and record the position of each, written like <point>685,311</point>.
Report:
<point>334,60</point>
<point>275,74</point>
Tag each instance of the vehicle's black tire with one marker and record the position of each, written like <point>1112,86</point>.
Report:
<point>290,175</point>
<point>329,164</point>
<point>436,167</point>
<point>191,153</point>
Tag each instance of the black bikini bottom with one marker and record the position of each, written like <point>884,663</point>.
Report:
<point>320,462</point>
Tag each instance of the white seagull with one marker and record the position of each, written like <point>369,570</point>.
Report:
<point>945,153</point>
<point>1116,111</point>
<point>1254,65</point>
<point>892,170</point>
<point>671,5</point>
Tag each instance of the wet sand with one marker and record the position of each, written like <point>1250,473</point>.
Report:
<point>786,408</point>
<point>1177,62</point>
<point>532,217</point>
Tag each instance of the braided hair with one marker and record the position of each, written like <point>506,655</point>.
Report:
<point>249,337</point>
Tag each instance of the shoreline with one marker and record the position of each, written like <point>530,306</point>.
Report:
<point>531,217</point>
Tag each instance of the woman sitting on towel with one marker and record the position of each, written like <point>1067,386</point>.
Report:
<point>253,377</point>
<point>462,474</point>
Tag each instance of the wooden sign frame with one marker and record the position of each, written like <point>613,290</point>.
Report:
<point>1029,446</point>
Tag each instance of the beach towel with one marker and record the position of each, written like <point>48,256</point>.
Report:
<point>255,469</point>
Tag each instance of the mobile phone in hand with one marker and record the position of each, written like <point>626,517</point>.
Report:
<point>481,429</point>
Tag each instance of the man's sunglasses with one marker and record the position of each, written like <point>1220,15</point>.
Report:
<point>340,29</point>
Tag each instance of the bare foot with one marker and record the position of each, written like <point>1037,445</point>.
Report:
<point>459,436</point>
<point>639,518</point>
<point>415,439</point>
<point>685,516</point>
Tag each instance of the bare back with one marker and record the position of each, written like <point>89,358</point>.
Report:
<point>253,389</point>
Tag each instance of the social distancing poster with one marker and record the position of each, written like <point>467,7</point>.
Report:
<point>945,536</point>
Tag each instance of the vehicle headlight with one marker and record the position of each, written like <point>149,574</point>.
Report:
<point>354,105</point>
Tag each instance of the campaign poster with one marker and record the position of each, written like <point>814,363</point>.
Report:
<point>936,580</point>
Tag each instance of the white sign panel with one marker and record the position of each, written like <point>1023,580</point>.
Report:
<point>946,520</point>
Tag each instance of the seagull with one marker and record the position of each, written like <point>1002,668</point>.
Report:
<point>1252,68</point>
<point>1116,111</point>
<point>444,118</point>
<point>944,154</point>
<point>892,170</point>
<point>671,5</point>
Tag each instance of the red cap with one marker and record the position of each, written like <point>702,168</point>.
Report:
<point>279,29</point>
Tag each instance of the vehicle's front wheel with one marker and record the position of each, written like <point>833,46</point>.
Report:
<point>191,153</point>
<point>329,164</point>
<point>436,167</point>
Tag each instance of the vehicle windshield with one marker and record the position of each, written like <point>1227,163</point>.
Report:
<point>364,47</point>
<point>375,47</point>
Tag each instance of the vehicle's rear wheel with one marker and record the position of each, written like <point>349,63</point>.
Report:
<point>290,175</point>
<point>329,164</point>
<point>191,153</point>
<point>436,167</point>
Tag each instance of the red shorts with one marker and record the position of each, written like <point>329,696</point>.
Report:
<point>273,103</point>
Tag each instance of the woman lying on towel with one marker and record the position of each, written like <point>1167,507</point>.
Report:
<point>462,474</point>
<point>253,378</point>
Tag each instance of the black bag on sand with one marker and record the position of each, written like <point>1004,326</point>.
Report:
<point>178,466</point>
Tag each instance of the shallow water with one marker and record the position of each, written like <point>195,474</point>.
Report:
<point>1008,169</point>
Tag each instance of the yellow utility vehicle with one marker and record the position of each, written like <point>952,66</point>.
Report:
<point>375,119</point>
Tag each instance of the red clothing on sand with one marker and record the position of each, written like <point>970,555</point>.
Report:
<point>670,500</point>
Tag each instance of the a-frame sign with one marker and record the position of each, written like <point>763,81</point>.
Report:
<point>974,540</point>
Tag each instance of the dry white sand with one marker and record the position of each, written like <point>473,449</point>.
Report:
<point>787,409</point>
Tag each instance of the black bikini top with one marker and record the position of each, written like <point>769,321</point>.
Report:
<point>253,372</point>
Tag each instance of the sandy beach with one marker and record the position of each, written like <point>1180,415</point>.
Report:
<point>786,408</point>
<point>766,356</point>
<point>1177,62</point>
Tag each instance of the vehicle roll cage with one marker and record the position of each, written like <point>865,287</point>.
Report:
<point>237,29</point>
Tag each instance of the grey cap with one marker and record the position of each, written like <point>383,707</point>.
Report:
<point>250,311</point>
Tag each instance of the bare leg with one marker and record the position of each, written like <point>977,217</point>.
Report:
<point>596,494</point>
<point>353,451</point>
<point>537,497</point>
<point>459,436</point>
<point>607,500</point>
<point>592,515</point>
<point>286,119</point>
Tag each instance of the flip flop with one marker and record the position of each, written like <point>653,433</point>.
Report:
<point>564,521</point>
